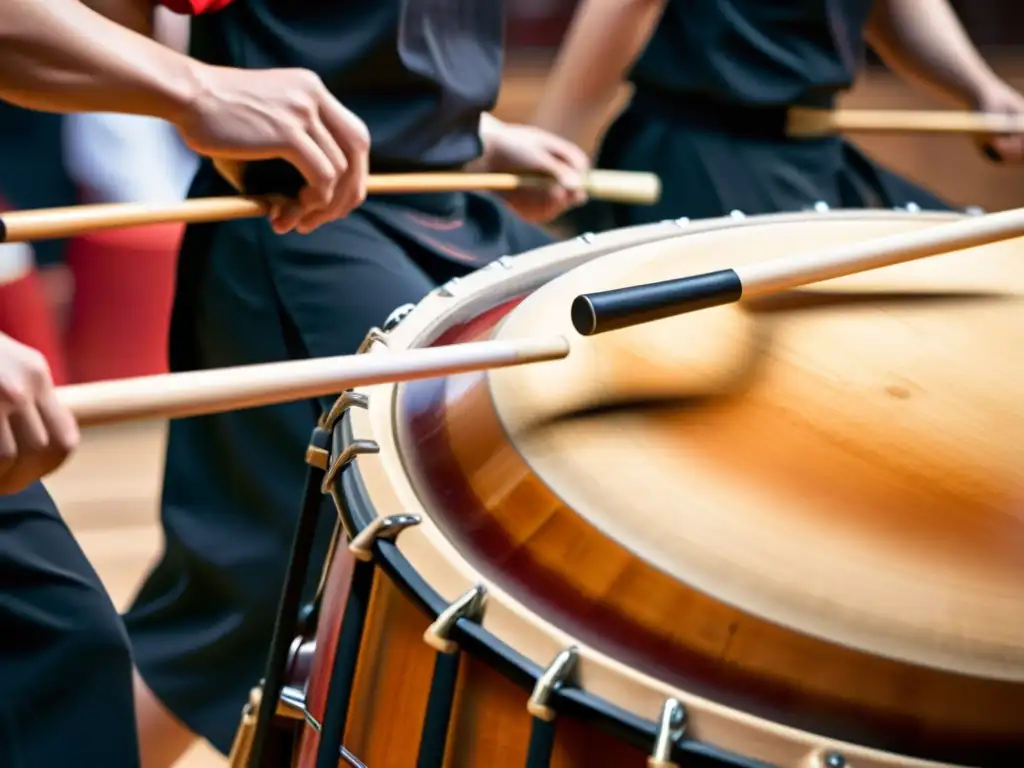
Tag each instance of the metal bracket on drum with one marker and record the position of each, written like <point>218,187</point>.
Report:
<point>383,528</point>
<point>470,606</point>
<point>347,400</point>
<point>373,336</point>
<point>671,728</point>
<point>353,449</point>
<point>434,735</point>
<point>559,674</point>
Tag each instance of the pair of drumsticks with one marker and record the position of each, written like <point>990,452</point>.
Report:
<point>202,392</point>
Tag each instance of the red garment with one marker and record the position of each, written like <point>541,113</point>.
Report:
<point>124,289</point>
<point>26,315</point>
<point>195,7</point>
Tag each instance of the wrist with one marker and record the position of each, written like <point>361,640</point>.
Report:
<point>182,91</point>
<point>985,91</point>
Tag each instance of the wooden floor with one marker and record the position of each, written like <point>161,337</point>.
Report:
<point>108,495</point>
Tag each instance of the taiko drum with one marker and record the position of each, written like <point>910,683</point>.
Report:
<point>789,532</point>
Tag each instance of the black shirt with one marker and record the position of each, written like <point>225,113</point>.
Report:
<point>418,72</point>
<point>755,52</point>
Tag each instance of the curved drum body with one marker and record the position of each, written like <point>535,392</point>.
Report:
<point>785,533</point>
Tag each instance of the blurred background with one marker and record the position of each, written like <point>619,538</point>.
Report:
<point>99,306</point>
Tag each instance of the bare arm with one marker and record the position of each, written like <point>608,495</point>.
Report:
<point>60,56</point>
<point>605,38</point>
<point>923,41</point>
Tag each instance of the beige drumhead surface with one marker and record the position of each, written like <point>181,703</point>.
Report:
<point>847,460</point>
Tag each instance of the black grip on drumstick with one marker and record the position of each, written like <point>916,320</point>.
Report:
<point>594,313</point>
<point>266,178</point>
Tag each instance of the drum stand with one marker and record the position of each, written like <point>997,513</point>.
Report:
<point>251,747</point>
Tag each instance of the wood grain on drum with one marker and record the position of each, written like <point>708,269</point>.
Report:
<point>500,500</point>
<point>490,725</point>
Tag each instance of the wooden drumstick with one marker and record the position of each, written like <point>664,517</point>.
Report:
<point>179,395</point>
<point>806,121</point>
<point>55,223</point>
<point>623,307</point>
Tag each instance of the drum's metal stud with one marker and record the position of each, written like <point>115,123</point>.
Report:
<point>587,238</point>
<point>470,605</point>
<point>913,207</point>
<point>341,405</point>
<point>821,207</point>
<point>671,727</point>
<point>353,449</point>
<point>373,336</point>
<point>833,760</point>
<point>560,672</point>
<point>682,221</point>
<point>503,262</point>
<point>735,214</point>
<point>396,317</point>
<point>974,210</point>
<point>388,528</point>
<point>449,289</point>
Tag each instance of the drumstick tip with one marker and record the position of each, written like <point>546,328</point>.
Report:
<point>539,350</point>
<point>584,317</point>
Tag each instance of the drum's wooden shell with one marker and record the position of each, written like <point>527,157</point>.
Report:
<point>643,633</point>
<point>489,726</point>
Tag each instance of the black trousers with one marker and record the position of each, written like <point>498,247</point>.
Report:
<point>714,159</point>
<point>65,662</point>
<point>202,623</point>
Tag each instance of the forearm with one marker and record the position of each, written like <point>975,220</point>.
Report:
<point>60,56</point>
<point>604,41</point>
<point>924,41</point>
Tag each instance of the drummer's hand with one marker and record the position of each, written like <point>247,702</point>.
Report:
<point>523,149</point>
<point>283,114</point>
<point>36,432</point>
<point>1003,99</point>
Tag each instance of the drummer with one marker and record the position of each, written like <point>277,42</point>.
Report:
<point>65,662</point>
<point>712,83</point>
<point>423,75</point>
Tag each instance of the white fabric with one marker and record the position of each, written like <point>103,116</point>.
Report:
<point>16,261</point>
<point>117,158</point>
